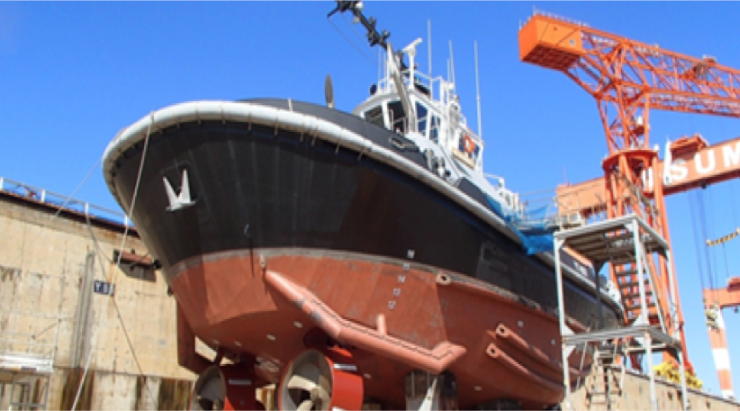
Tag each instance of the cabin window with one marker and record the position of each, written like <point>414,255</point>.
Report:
<point>397,117</point>
<point>421,114</point>
<point>434,130</point>
<point>375,116</point>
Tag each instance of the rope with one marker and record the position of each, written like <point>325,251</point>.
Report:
<point>134,197</point>
<point>101,255</point>
<point>60,209</point>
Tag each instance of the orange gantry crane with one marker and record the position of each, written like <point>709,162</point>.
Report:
<point>628,79</point>
<point>715,299</point>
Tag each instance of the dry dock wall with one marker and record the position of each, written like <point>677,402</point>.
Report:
<point>635,395</point>
<point>49,308</point>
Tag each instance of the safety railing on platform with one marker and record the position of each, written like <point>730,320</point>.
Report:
<point>64,202</point>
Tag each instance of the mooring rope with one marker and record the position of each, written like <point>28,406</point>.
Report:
<point>134,197</point>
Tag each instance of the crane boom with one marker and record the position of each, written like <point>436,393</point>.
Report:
<point>630,75</point>
<point>692,164</point>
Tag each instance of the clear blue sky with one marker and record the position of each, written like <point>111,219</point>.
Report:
<point>73,74</point>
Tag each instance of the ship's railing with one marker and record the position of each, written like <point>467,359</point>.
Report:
<point>558,17</point>
<point>543,206</point>
<point>63,202</point>
<point>435,87</point>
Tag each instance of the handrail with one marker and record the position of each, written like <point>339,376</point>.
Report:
<point>67,203</point>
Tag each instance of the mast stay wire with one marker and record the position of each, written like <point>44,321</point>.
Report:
<point>134,197</point>
<point>357,34</point>
<point>370,59</point>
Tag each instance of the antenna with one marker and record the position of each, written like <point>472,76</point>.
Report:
<point>431,75</point>
<point>429,34</point>
<point>452,64</point>
<point>380,65</point>
<point>477,92</point>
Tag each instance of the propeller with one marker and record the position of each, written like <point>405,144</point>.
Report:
<point>320,380</point>
<point>308,383</point>
<point>329,92</point>
<point>209,393</point>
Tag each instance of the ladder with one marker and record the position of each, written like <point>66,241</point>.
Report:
<point>607,378</point>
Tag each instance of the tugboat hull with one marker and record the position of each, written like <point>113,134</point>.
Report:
<point>255,209</point>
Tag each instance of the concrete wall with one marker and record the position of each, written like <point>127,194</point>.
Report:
<point>635,395</point>
<point>48,307</point>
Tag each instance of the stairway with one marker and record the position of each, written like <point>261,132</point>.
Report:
<point>629,289</point>
<point>624,261</point>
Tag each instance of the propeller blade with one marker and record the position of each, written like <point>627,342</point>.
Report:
<point>300,382</point>
<point>308,370</point>
<point>211,389</point>
<point>324,391</point>
<point>305,405</point>
<point>324,399</point>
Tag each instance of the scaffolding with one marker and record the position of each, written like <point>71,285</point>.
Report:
<point>618,241</point>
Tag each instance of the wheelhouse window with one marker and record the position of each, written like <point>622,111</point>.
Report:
<point>434,130</point>
<point>421,114</point>
<point>375,116</point>
<point>397,117</point>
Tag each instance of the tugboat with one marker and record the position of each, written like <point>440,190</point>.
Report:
<point>356,259</point>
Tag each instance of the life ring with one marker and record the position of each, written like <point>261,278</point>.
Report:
<point>468,144</point>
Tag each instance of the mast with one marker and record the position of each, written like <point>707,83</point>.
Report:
<point>429,34</point>
<point>374,37</point>
<point>477,92</point>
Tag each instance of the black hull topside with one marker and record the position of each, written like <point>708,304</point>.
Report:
<point>257,186</point>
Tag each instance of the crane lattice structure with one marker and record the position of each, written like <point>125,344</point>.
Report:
<point>628,79</point>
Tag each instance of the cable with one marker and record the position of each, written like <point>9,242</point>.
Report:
<point>353,44</point>
<point>727,267</point>
<point>697,249</point>
<point>61,208</point>
<point>733,204</point>
<point>134,197</point>
<point>352,27</point>
<point>705,236</point>
<point>101,255</point>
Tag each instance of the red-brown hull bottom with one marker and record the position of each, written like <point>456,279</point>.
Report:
<point>505,349</point>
